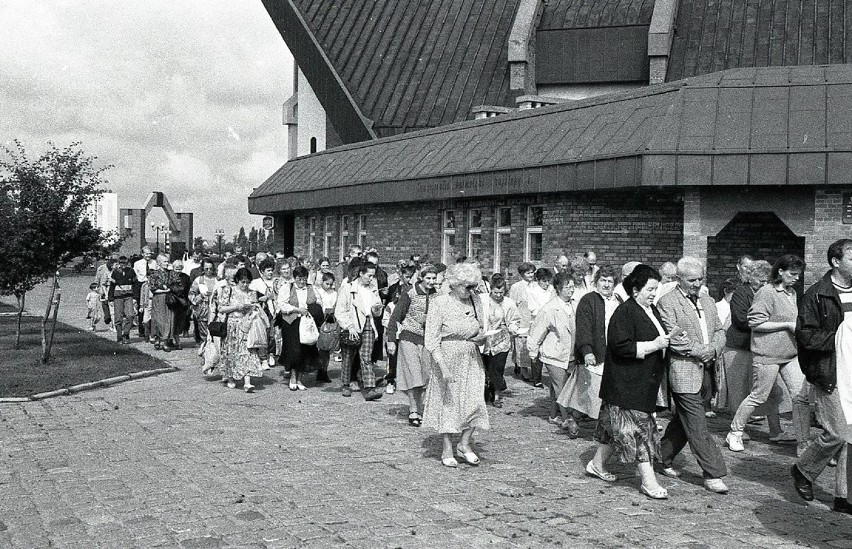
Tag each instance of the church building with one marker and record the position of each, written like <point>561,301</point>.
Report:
<point>515,130</point>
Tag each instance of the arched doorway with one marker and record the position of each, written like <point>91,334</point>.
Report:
<point>760,234</point>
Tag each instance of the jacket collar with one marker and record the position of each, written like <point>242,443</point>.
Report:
<point>825,287</point>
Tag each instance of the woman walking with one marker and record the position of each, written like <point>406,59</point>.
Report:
<point>236,302</point>
<point>772,319</point>
<point>454,400</point>
<point>633,370</point>
<point>300,303</point>
<point>407,325</point>
<point>501,322</point>
<point>162,317</point>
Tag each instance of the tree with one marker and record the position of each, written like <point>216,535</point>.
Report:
<point>43,225</point>
<point>197,243</point>
<point>241,240</point>
<point>252,240</point>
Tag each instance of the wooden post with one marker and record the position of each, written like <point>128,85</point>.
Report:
<point>52,307</point>
<point>20,299</point>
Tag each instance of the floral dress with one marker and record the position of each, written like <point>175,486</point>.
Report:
<point>460,405</point>
<point>237,359</point>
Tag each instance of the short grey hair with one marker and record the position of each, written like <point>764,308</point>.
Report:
<point>689,263</point>
<point>463,274</point>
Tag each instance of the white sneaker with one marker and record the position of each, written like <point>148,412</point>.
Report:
<point>735,441</point>
<point>390,389</point>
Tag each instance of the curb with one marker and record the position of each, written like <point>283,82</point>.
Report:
<point>90,385</point>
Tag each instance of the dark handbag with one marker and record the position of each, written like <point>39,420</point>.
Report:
<point>217,328</point>
<point>174,301</point>
<point>329,335</point>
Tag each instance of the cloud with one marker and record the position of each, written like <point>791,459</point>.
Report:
<point>183,97</point>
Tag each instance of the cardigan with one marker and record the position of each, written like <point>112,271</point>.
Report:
<point>591,326</point>
<point>630,382</point>
<point>408,321</point>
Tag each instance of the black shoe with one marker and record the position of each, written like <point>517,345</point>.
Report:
<point>842,506</point>
<point>167,348</point>
<point>804,487</point>
<point>375,393</point>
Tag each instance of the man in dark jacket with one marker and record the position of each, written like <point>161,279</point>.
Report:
<point>120,294</point>
<point>823,309</point>
<point>382,283</point>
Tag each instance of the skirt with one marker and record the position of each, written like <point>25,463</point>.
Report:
<point>633,433</point>
<point>162,318</point>
<point>413,365</point>
<point>237,360</point>
<point>294,355</point>
<point>455,407</point>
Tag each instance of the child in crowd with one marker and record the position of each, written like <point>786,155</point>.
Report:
<point>93,305</point>
<point>328,298</point>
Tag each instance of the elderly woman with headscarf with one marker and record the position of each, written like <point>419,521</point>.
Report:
<point>407,324</point>
<point>455,401</point>
<point>160,283</point>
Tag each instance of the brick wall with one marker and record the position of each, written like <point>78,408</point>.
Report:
<point>828,228</point>
<point>619,226</point>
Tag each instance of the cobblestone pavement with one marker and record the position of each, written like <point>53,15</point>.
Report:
<point>180,461</point>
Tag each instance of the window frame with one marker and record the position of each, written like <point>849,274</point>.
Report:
<point>473,231</point>
<point>447,232</point>
<point>362,229</point>
<point>499,231</point>
<point>344,236</point>
<point>531,230</point>
<point>312,234</point>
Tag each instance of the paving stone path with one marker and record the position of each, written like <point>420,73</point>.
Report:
<point>181,461</point>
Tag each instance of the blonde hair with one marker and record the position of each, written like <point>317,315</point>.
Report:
<point>463,274</point>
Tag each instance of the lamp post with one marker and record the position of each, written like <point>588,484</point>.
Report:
<point>161,228</point>
<point>220,234</point>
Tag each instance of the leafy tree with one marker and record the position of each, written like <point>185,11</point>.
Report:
<point>197,243</point>
<point>43,225</point>
<point>241,240</point>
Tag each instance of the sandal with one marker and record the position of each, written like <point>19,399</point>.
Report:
<point>605,476</point>
<point>467,455</point>
<point>449,462</point>
<point>249,388</point>
<point>293,386</point>
<point>414,419</point>
<point>658,493</point>
<point>301,387</point>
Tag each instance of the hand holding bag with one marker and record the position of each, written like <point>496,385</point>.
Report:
<point>308,332</point>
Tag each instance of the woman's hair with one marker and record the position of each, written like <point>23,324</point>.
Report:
<point>207,261</point>
<point>525,267</point>
<point>327,276</point>
<point>282,264</point>
<point>440,267</point>
<point>366,266</point>
<point>267,263</point>
<point>427,269</point>
<point>639,277</point>
<point>544,274</point>
<point>463,274</point>
<point>93,286</point>
<point>243,273</point>
<point>787,262</point>
<point>324,259</point>
<point>561,280</point>
<point>606,271</point>
<point>352,269</point>
<point>408,270</point>
<point>229,272</point>
<point>300,272</point>
<point>497,281</point>
<point>757,270</point>
<point>728,286</point>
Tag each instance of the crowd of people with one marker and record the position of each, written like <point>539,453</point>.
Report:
<point>619,346</point>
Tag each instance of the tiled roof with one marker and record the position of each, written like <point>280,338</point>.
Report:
<point>413,64</point>
<point>583,14</point>
<point>711,36</point>
<point>784,125</point>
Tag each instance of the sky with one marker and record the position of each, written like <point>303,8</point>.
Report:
<point>183,97</point>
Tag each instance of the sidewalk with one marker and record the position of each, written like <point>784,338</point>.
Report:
<point>180,461</point>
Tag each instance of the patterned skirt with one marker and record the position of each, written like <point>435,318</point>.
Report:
<point>631,432</point>
<point>455,407</point>
<point>237,360</point>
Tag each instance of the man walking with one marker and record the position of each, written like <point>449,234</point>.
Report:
<point>825,307</point>
<point>121,296</point>
<point>697,339</point>
<point>141,268</point>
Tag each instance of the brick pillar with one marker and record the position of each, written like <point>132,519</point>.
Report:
<point>694,243</point>
<point>828,227</point>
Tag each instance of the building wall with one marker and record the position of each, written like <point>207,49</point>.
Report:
<point>311,118</point>
<point>618,226</point>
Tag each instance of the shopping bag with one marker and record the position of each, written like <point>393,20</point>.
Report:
<point>582,389</point>
<point>329,335</point>
<point>257,336</point>
<point>308,332</point>
<point>211,355</point>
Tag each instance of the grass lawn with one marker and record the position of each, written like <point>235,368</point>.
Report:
<point>77,357</point>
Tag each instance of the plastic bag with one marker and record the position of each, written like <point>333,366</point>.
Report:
<point>308,332</point>
<point>211,355</point>
<point>257,337</point>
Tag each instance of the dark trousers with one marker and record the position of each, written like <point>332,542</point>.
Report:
<point>379,343</point>
<point>137,295</point>
<point>688,425</point>
<point>390,376</point>
<point>107,313</point>
<point>494,380</point>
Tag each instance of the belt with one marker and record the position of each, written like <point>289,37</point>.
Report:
<point>455,338</point>
<point>124,288</point>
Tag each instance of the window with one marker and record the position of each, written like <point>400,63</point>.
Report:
<point>326,241</point>
<point>502,239</point>
<point>533,250</point>
<point>448,241</point>
<point>344,236</point>
<point>362,229</point>
<point>312,234</point>
<point>313,145</point>
<point>474,234</point>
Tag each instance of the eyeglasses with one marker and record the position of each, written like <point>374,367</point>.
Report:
<point>470,287</point>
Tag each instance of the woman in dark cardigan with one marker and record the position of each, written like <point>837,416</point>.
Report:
<point>633,370</point>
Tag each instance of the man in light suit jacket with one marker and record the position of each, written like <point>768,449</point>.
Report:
<point>697,340</point>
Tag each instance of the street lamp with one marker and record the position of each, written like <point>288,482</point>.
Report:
<point>161,228</point>
<point>220,234</point>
